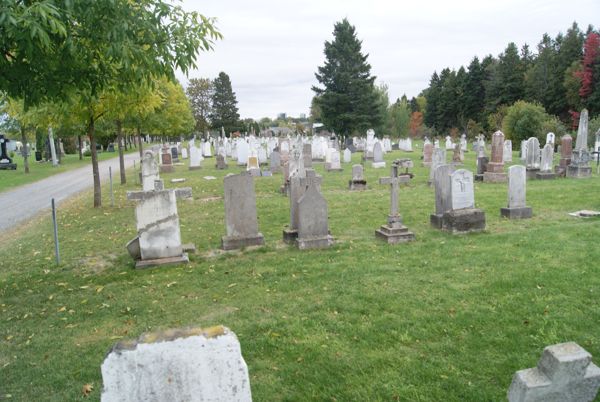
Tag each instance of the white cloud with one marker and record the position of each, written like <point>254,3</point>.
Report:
<point>271,49</point>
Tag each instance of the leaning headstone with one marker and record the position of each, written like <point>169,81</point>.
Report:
<point>546,172</point>
<point>462,217</point>
<point>150,171</point>
<point>495,168</point>
<point>533,157</point>
<point>566,153</point>
<point>394,231</point>
<point>580,162</point>
<point>313,226</point>
<point>517,205</point>
<point>192,364</point>
<point>358,181</point>
<point>378,161</point>
<point>53,147</point>
<point>241,222</point>
<point>6,162</point>
<point>564,373</point>
<point>441,183</point>
<point>159,238</point>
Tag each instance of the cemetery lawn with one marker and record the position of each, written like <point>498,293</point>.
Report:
<point>40,170</point>
<point>445,318</point>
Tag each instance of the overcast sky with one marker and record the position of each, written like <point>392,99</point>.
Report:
<point>271,49</point>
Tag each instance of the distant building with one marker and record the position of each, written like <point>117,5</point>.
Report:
<point>302,116</point>
<point>281,116</point>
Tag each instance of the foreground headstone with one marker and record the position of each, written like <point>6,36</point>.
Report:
<point>462,217</point>
<point>358,181</point>
<point>159,238</point>
<point>580,163</point>
<point>394,231</point>
<point>297,187</point>
<point>313,225</point>
<point>192,365</point>
<point>241,222</point>
<point>517,206</point>
<point>565,373</point>
<point>441,183</point>
<point>495,168</point>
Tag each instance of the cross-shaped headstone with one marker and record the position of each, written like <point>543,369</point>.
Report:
<point>394,182</point>
<point>564,373</point>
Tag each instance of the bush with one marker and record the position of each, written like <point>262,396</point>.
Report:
<point>524,120</point>
<point>554,125</point>
<point>87,153</point>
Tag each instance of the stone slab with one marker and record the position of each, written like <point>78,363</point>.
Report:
<point>194,167</point>
<point>545,176</point>
<point>290,236</point>
<point>491,177</point>
<point>232,243</point>
<point>579,172</point>
<point>314,242</point>
<point>464,221</point>
<point>516,213</point>
<point>394,235</point>
<point>183,259</point>
<point>531,173</point>
<point>166,168</point>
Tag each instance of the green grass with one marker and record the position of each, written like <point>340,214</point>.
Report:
<point>40,170</point>
<point>443,318</point>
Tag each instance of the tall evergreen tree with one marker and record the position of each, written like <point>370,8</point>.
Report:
<point>474,91</point>
<point>511,76</point>
<point>540,76</point>
<point>224,105</point>
<point>200,92</point>
<point>432,94</point>
<point>347,98</point>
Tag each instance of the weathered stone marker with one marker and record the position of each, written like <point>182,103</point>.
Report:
<point>495,168</point>
<point>441,182</point>
<point>566,153</point>
<point>427,153</point>
<point>462,217</point>
<point>195,157</point>
<point>150,171</point>
<point>394,231</point>
<point>378,161</point>
<point>298,186</point>
<point>313,225</point>
<point>358,181</point>
<point>241,222</point>
<point>580,163</point>
<point>517,206</point>
<point>193,365</point>
<point>159,237</point>
<point>565,373</point>
<point>532,157</point>
<point>166,161</point>
<point>546,172</point>
<point>439,158</point>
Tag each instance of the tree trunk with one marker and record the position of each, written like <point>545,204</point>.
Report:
<point>139,135</point>
<point>80,150</point>
<point>125,140</point>
<point>95,171</point>
<point>121,159</point>
<point>25,150</point>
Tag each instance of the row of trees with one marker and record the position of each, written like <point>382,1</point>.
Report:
<point>214,104</point>
<point>84,54</point>
<point>563,77</point>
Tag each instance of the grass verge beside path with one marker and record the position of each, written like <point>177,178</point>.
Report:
<point>445,318</point>
<point>40,170</point>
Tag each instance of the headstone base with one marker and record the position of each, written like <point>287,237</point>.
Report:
<point>220,166</point>
<point>330,169</point>
<point>254,172</point>
<point>290,236</point>
<point>8,166</point>
<point>194,167</point>
<point>378,165</point>
<point>463,221</point>
<point>516,213</point>
<point>357,185</point>
<point>560,171</point>
<point>314,242</point>
<point>579,172</point>
<point>275,170</point>
<point>234,243</point>
<point>436,220</point>
<point>478,177</point>
<point>490,177</point>
<point>133,248</point>
<point>394,235</point>
<point>182,259</point>
<point>166,168</point>
<point>545,175</point>
<point>531,172</point>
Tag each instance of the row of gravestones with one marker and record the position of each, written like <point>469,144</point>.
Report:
<point>201,365</point>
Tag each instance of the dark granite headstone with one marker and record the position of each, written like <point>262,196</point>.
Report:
<point>6,162</point>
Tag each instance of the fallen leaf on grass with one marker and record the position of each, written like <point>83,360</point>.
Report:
<point>87,389</point>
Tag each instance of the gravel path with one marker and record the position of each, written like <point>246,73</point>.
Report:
<point>20,204</point>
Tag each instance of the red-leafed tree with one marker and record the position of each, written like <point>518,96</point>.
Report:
<point>591,50</point>
<point>416,124</point>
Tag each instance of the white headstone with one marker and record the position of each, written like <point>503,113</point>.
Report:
<point>517,180</point>
<point>347,156</point>
<point>461,189</point>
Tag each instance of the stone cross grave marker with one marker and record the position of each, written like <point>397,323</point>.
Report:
<point>193,365</point>
<point>564,373</point>
<point>394,231</point>
<point>241,222</point>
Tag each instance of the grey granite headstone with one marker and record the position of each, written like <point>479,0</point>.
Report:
<point>275,162</point>
<point>463,217</point>
<point>565,373</point>
<point>241,222</point>
<point>150,171</point>
<point>378,161</point>
<point>517,182</point>
<point>313,226</point>
<point>358,181</point>
<point>441,182</point>
<point>438,158</point>
<point>193,365</point>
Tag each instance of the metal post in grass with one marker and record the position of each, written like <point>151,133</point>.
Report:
<point>56,248</point>
<point>112,196</point>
